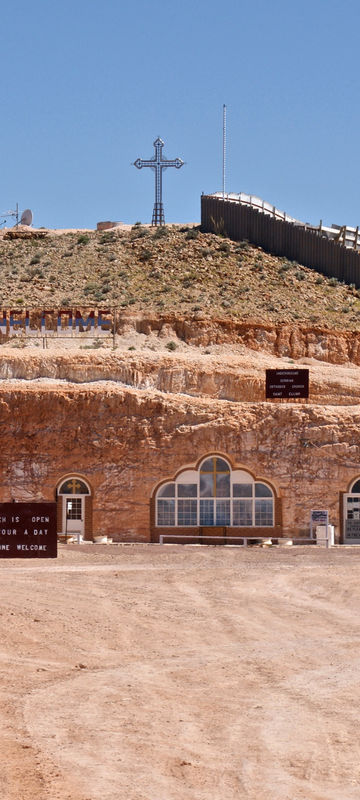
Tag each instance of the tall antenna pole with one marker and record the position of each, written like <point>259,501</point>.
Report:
<point>224,148</point>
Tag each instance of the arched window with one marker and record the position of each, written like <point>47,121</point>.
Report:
<point>166,504</point>
<point>74,486</point>
<point>215,492</point>
<point>215,495</point>
<point>355,489</point>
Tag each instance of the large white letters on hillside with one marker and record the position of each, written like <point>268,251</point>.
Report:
<point>56,322</point>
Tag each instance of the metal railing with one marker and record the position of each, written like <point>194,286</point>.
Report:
<point>343,234</point>
<point>318,248</point>
<point>256,202</point>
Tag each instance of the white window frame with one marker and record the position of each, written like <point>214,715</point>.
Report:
<point>73,478</point>
<point>192,476</point>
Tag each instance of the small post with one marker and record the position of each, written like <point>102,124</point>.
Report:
<point>114,328</point>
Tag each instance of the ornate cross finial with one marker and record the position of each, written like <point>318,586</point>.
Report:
<point>158,163</point>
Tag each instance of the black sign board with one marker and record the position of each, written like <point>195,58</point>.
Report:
<point>28,530</point>
<point>287,384</point>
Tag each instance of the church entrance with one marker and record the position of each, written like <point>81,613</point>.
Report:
<point>73,495</point>
<point>351,514</point>
<point>73,511</point>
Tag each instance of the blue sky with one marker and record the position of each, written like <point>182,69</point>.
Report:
<point>88,86</point>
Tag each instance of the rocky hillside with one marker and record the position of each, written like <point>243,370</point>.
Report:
<point>173,269</point>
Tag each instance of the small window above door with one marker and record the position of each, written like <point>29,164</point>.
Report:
<point>74,486</point>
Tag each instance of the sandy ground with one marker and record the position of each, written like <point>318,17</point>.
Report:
<point>178,673</point>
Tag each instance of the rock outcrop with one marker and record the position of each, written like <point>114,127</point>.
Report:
<point>63,414</point>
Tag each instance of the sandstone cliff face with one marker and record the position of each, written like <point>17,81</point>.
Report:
<point>282,340</point>
<point>127,420</point>
<point>238,375</point>
<point>124,442</point>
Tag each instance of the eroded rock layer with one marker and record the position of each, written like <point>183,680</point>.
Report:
<point>125,441</point>
<point>133,411</point>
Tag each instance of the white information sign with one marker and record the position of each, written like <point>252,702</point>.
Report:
<point>319,517</point>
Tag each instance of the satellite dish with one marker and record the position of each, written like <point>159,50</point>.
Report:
<point>26,217</point>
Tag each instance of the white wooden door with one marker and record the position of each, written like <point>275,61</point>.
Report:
<point>74,513</point>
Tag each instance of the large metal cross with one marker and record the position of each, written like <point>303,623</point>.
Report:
<point>158,164</point>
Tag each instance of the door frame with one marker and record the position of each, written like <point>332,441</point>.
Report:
<point>85,524</point>
<point>344,510</point>
<point>74,525</point>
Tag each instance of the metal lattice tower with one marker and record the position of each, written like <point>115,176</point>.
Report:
<point>158,164</point>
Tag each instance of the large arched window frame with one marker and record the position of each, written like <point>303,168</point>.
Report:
<point>215,495</point>
<point>355,486</point>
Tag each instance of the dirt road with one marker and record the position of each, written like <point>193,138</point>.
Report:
<point>177,673</point>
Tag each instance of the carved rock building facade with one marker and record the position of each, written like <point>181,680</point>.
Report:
<point>137,464</point>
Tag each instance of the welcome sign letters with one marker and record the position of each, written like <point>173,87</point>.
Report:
<point>28,530</point>
<point>56,322</point>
